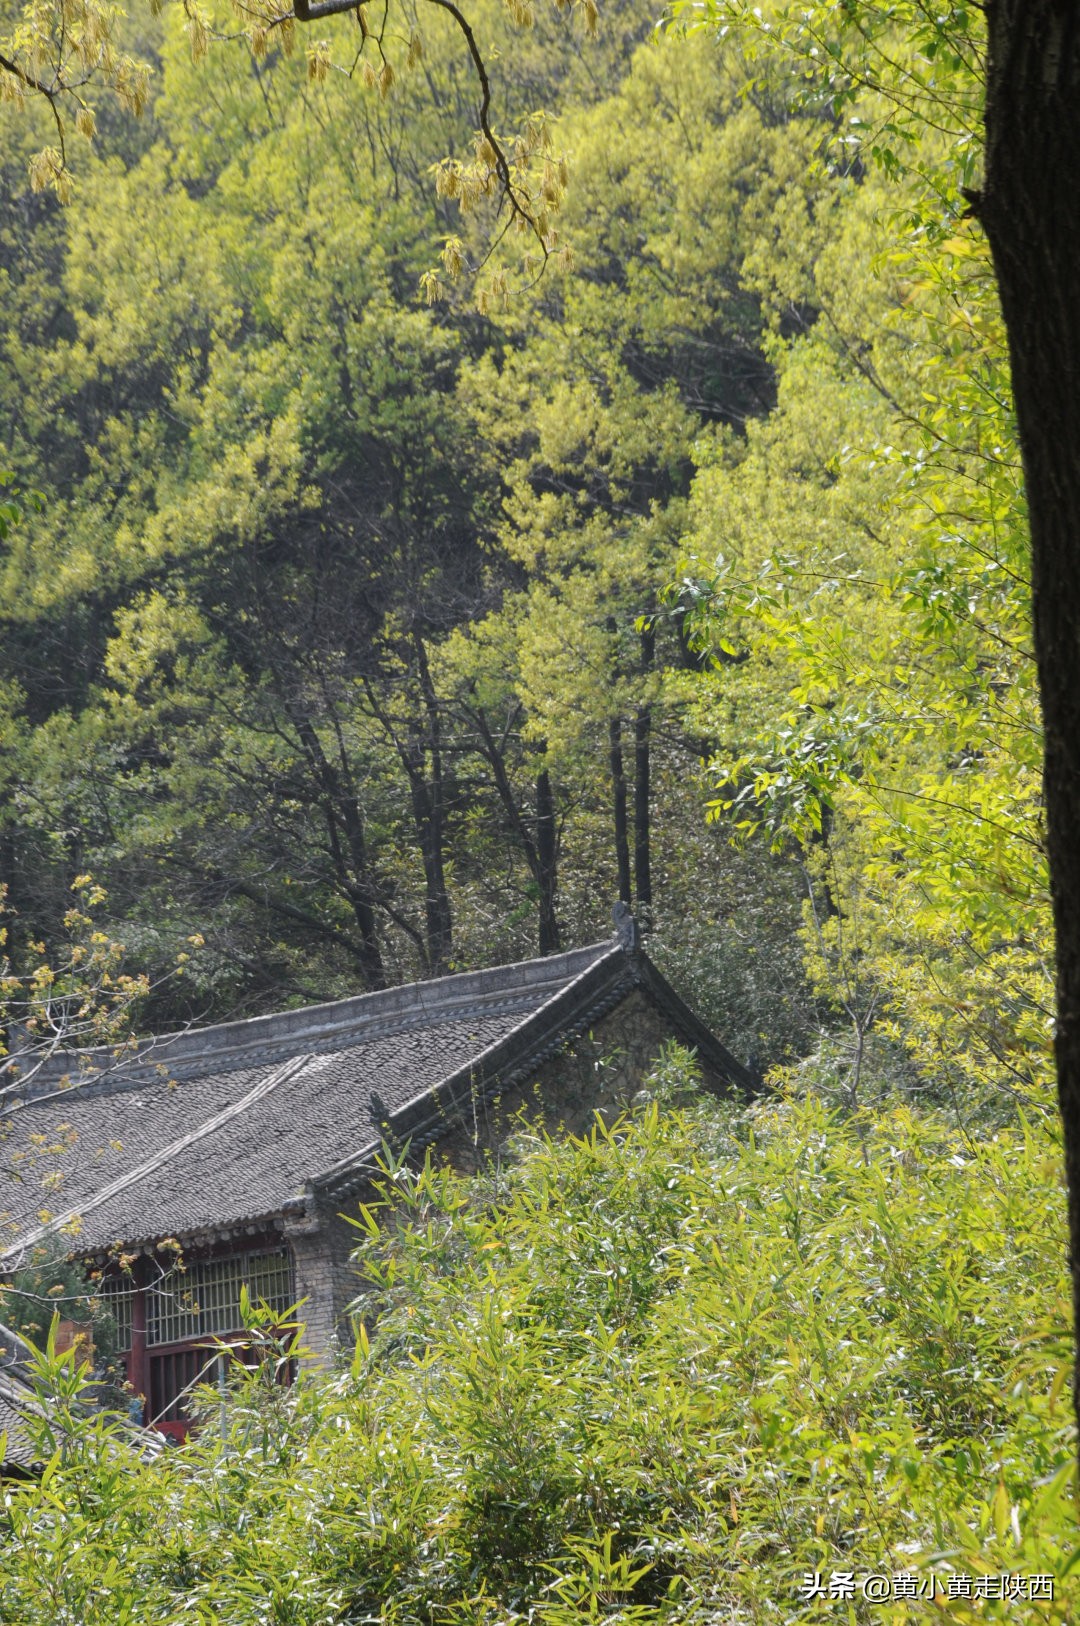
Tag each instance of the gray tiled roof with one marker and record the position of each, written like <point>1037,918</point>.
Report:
<point>19,1453</point>
<point>22,1411</point>
<point>224,1127</point>
<point>17,1402</point>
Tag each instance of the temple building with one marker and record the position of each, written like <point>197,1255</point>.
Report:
<point>231,1156</point>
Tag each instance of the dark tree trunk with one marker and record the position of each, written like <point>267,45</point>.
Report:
<point>360,889</point>
<point>7,890</point>
<point>643,791</point>
<point>541,851</point>
<point>347,846</point>
<point>546,862</point>
<point>1030,207</point>
<point>429,812</point>
<point>428,821</point>
<point>418,743</point>
<point>618,793</point>
<point>8,949</point>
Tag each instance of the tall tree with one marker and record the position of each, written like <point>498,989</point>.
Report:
<point>271,515</point>
<point>1012,66</point>
<point>1030,205</point>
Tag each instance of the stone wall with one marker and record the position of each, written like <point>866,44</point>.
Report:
<point>314,1281</point>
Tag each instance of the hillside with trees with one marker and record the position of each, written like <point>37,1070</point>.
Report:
<point>363,622</point>
<point>366,671</point>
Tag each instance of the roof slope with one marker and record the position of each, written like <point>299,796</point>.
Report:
<point>230,1126</point>
<point>17,1404</point>
<point>23,1410</point>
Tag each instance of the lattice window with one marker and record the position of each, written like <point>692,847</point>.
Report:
<point>204,1299</point>
<point>115,1295</point>
<point>172,1377</point>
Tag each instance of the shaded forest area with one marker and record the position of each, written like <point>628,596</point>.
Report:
<point>362,622</point>
<point>341,639</point>
<point>358,639</point>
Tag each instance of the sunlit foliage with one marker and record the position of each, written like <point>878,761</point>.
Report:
<point>659,1373</point>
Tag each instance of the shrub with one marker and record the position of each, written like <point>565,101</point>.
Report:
<point>658,1373</point>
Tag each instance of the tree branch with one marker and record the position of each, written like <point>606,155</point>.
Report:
<point>309,11</point>
<point>27,78</point>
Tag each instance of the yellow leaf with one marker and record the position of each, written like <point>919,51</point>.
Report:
<point>1000,1510</point>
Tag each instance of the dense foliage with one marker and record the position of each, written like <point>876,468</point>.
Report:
<point>660,1373</point>
<point>346,640</point>
<point>359,637</point>
<point>340,638</point>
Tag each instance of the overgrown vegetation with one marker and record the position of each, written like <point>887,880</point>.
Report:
<point>339,640</point>
<point>659,1373</point>
<point>359,638</point>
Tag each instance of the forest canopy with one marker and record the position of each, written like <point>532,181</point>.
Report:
<point>363,638</point>
<point>363,622</point>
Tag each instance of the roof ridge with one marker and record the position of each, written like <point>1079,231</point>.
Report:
<point>599,985</point>
<point>165,1154</point>
<point>228,1046</point>
<point>531,1026</point>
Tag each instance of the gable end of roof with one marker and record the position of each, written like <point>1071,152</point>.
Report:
<point>577,1007</point>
